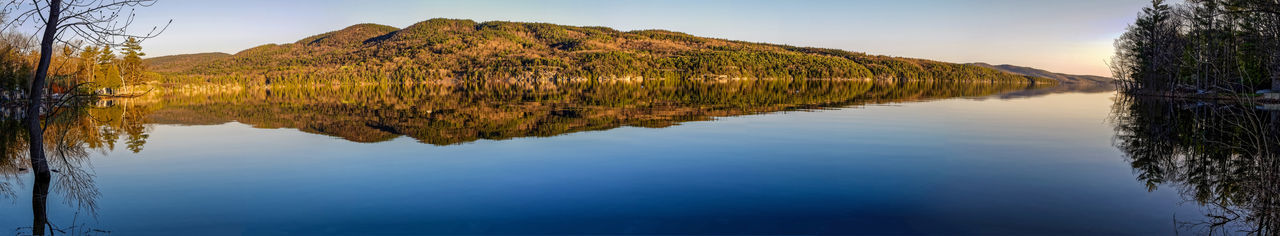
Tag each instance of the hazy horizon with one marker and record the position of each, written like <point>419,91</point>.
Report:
<point>1073,37</point>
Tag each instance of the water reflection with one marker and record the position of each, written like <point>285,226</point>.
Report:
<point>1220,156</point>
<point>72,134</point>
<point>451,114</point>
<point>440,114</point>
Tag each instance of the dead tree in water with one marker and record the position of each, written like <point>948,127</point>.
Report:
<point>100,22</point>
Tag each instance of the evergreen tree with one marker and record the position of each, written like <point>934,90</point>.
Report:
<point>89,63</point>
<point>1150,35</point>
<point>1221,46</point>
<point>131,66</point>
<point>108,71</point>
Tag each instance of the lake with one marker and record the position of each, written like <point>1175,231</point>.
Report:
<point>830,157</point>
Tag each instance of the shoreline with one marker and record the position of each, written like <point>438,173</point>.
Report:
<point>1251,98</point>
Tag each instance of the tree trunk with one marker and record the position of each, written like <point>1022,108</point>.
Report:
<point>35,94</point>
<point>1273,65</point>
<point>39,204</point>
<point>1275,81</point>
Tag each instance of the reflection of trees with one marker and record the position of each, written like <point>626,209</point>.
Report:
<point>71,135</point>
<point>456,113</point>
<point>438,114</point>
<point>1221,156</point>
<point>12,147</point>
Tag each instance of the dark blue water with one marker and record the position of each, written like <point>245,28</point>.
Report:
<point>1041,165</point>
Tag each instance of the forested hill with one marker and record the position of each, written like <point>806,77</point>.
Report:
<point>184,62</point>
<point>465,50</point>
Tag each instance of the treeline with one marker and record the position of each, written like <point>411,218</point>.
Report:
<point>444,49</point>
<point>90,68</point>
<point>1201,46</point>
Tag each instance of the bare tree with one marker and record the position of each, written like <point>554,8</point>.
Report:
<point>100,22</point>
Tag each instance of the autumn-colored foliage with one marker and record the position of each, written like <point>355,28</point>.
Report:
<point>447,49</point>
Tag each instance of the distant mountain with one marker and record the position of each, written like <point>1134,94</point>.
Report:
<point>466,50</point>
<point>1060,77</point>
<point>1068,83</point>
<point>177,63</point>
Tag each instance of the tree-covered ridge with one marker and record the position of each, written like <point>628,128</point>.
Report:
<point>350,36</point>
<point>179,63</point>
<point>455,113</point>
<point>463,49</point>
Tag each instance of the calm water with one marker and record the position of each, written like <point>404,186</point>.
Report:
<point>868,161</point>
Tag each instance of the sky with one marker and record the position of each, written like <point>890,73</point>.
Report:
<point>1067,36</point>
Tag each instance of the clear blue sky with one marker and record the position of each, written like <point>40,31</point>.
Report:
<point>1059,35</point>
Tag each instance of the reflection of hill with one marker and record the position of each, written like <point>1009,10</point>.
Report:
<point>449,114</point>
<point>1061,88</point>
<point>1220,156</point>
<point>186,117</point>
